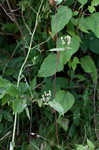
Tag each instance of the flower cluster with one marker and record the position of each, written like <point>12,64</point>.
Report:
<point>66,39</point>
<point>46,96</point>
<point>63,40</point>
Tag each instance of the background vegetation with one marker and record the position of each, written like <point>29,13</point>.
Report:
<point>49,63</point>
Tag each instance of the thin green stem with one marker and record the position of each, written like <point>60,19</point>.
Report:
<point>14,128</point>
<point>29,50</point>
<point>21,70</point>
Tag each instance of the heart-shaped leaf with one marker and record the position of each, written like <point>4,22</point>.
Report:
<point>49,66</point>
<point>63,102</point>
<point>61,18</point>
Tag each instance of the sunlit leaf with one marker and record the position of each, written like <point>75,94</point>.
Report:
<point>49,66</point>
<point>19,105</point>
<point>93,4</point>
<point>62,18</point>
<point>82,2</point>
<point>90,23</point>
<point>90,145</point>
<point>57,106</point>
<point>58,2</point>
<point>63,102</point>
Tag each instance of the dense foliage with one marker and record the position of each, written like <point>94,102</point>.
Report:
<point>49,63</point>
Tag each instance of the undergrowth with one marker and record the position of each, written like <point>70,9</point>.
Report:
<point>49,75</point>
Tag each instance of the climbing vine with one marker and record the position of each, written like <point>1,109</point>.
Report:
<point>49,74</point>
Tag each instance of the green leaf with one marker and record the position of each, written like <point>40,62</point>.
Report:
<point>90,23</point>
<point>93,4</point>
<point>61,83</point>
<point>66,55</point>
<point>82,2</point>
<point>4,83</point>
<point>88,65</point>
<point>80,77</point>
<point>19,105</point>
<point>91,9</point>
<point>12,91</point>
<point>63,123</point>
<point>7,88</point>
<point>27,112</point>
<point>81,147</point>
<point>74,63</point>
<point>33,83</point>
<point>94,45</point>
<point>49,66</point>
<point>82,25</point>
<point>6,99</point>
<point>75,13</point>
<point>2,92</point>
<point>90,145</point>
<point>63,102</point>
<point>61,18</point>
<point>57,106</point>
<point>93,23</point>
<point>58,2</point>
<point>8,116</point>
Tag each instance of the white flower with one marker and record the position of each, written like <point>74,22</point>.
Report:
<point>68,38</point>
<point>49,93</point>
<point>46,97</point>
<point>61,38</point>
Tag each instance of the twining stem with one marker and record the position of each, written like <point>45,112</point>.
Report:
<point>57,61</point>
<point>21,70</point>
<point>94,101</point>
<point>14,128</point>
<point>29,50</point>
